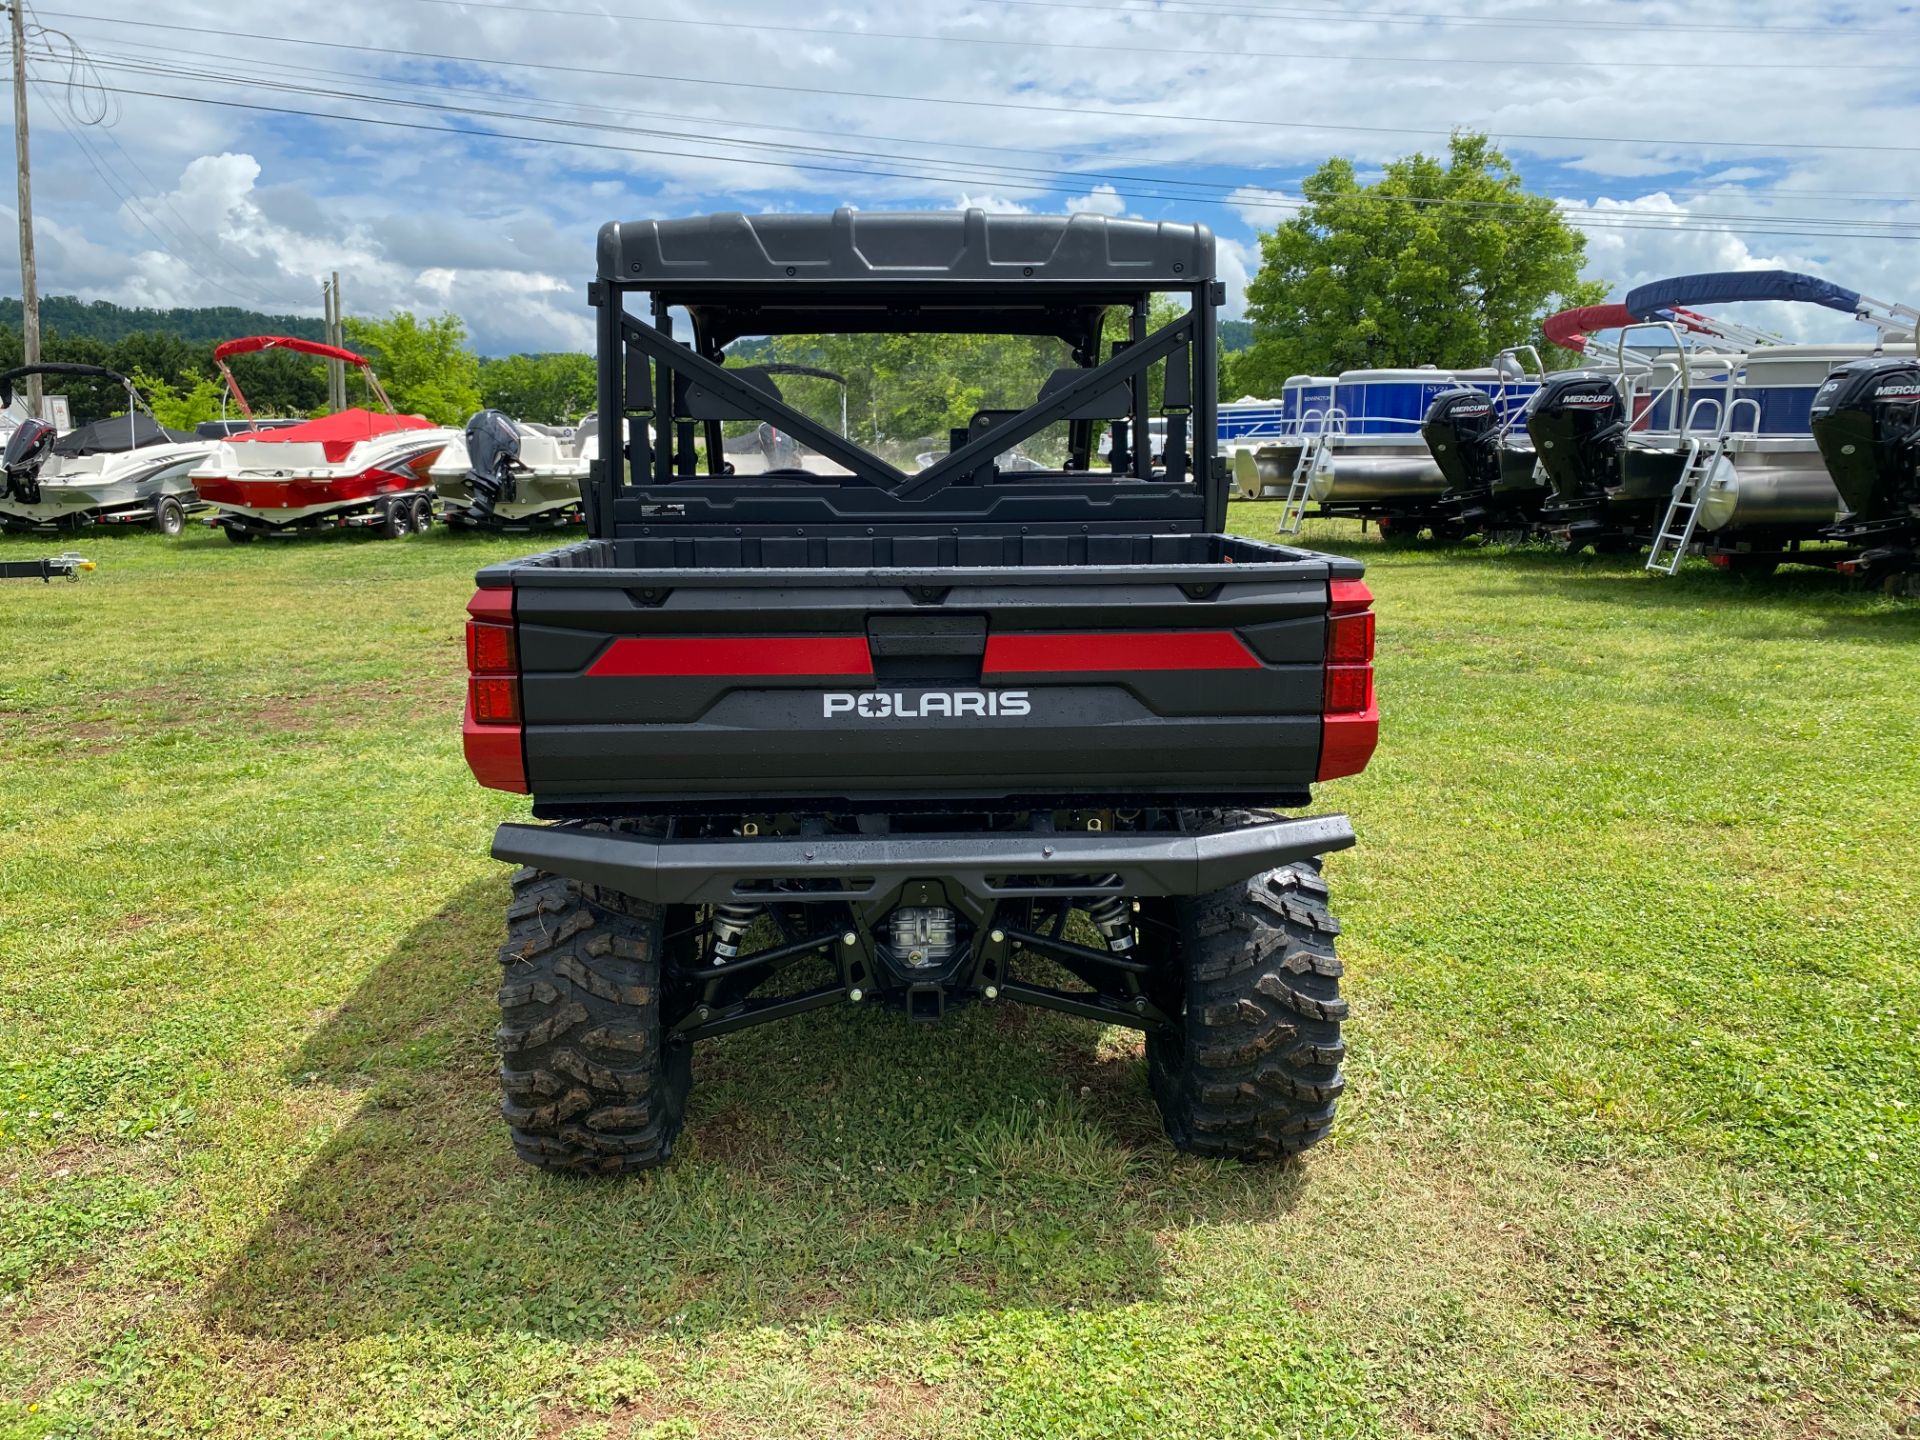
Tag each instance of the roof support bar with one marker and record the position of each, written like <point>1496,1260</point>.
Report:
<point>1130,362</point>
<point>729,386</point>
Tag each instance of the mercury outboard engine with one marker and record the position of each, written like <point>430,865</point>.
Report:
<point>1463,433</point>
<point>493,454</point>
<point>1578,424</point>
<point>1866,421</point>
<point>27,450</point>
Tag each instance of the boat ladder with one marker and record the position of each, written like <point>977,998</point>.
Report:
<point>1704,454</point>
<point>1293,510</point>
<point>1670,542</point>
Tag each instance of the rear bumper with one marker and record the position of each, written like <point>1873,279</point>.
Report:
<point>988,867</point>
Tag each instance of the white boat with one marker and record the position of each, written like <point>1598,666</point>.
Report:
<point>128,469</point>
<point>354,467</point>
<point>509,474</point>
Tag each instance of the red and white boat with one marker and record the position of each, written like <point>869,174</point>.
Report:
<point>354,467</point>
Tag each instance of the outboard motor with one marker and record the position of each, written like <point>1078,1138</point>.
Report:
<point>493,454</point>
<point>27,450</point>
<point>1463,433</point>
<point>1578,424</point>
<point>1866,421</point>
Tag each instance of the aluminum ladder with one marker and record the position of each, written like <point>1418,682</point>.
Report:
<point>1293,510</point>
<point>1704,453</point>
<point>1675,534</point>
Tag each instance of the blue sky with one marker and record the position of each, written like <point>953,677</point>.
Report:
<point>1683,140</point>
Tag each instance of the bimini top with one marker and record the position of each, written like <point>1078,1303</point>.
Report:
<point>858,248</point>
<point>1730,286</point>
<point>249,344</point>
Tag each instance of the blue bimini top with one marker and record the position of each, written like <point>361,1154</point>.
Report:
<point>1726,287</point>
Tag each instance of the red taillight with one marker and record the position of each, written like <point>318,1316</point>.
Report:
<point>491,730</point>
<point>1349,689</point>
<point>1350,639</point>
<point>490,649</point>
<point>496,699</point>
<point>1350,723</point>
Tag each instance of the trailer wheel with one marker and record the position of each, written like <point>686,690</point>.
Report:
<point>588,1084</point>
<point>238,534</point>
<point>393,519</point>
<point>421,516</point>
<point>169,516</point>
<point>1250,1069</point>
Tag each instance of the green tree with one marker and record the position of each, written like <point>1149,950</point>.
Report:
<point>425,365</point>
<point>1439,261</point>
<point>178,408</point>
<point>549,389</point>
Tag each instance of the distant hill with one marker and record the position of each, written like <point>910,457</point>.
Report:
<point>1235,335</point>
<point>76,319</point>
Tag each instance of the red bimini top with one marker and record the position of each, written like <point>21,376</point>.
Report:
<point>337,433</point>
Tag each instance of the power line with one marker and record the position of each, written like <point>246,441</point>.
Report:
<point>1028,43</point>
<point>1073,112</point>
<point>195,62</point>
<point>89,107</point>
<point>1577,221</point>
<point>1023,175</point>
<point>1349,16</point>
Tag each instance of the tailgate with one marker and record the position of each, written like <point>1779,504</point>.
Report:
<point>864,686</point>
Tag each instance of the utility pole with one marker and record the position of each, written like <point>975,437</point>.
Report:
<point>336,369</point>
<point>29,280</point>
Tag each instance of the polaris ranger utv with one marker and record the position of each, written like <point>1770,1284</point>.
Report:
<point>848,734</point>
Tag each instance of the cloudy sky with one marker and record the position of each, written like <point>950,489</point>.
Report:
<point>450,155</point>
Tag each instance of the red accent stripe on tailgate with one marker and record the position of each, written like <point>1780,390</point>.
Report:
<point>750,656</point>
<point>1113,651</point>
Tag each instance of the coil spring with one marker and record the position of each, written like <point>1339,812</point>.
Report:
<point>1112,915</point>
<point>729,923</point>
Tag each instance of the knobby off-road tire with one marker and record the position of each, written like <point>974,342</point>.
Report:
<point>588,1085</point>
<point>1251,1070</point>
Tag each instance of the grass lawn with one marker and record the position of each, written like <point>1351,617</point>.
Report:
<point>1631,1145</point>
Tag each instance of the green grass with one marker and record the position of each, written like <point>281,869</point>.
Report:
<point>1631,1145</point>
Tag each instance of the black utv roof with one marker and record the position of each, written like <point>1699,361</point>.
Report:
<point>855,248</point>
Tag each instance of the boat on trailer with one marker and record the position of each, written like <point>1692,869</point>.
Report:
<point>1497,483</point>
<point>125,470</point>
<point>507,474</point>
<point>1729,442</point>
<point>354,467</point>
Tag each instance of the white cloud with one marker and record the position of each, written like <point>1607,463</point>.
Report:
<point>256,208</point>
<point>1103,199</point>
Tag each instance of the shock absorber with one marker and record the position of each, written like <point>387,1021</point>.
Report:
<point>729,924</point>
<point>1112,915</point>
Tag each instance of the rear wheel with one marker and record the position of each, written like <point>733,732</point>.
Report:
<point>588,1083</point>
<point>395,519</point>
<point>169,516</point>
<point>421,516</point>
<point>1250,1068</point>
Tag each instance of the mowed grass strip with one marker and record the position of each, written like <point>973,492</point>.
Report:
<point>1629,1147</point>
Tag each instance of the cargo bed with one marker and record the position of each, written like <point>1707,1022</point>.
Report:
<point>766,672</point>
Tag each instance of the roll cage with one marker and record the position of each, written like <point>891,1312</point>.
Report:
<point>735,276</point>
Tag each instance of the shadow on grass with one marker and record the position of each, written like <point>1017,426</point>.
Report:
<point>847,1167</point>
